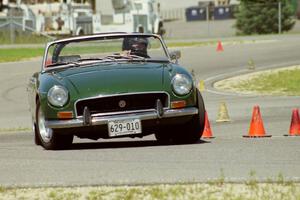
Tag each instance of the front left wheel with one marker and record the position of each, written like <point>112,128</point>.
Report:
<point>49,138</point>
<point>192,131</point>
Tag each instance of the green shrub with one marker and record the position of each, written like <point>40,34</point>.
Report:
<point>261,17</point>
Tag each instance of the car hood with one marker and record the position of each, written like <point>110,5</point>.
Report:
<point>116,78</point>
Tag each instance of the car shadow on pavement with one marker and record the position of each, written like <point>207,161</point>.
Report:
<point>124,144</point>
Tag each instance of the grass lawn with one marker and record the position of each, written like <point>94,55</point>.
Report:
<point>18,54</point>
<point>283,81</point>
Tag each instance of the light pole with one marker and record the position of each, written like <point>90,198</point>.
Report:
<point>279,17</point>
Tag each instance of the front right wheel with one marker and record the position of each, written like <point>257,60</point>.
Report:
<point>48,137</point>
<point>163,136</point>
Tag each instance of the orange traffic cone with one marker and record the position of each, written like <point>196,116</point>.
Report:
<point>256,126</point>
<point>207,133</point>
<point>295,124</point>
<point>220,47</point>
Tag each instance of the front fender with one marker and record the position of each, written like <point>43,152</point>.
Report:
<point>46,82</point>
<point>171,71</point>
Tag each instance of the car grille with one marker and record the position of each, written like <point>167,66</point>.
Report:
<point>134,102</point>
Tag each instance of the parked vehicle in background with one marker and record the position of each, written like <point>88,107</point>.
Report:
<point>65,17</point>
<point>68,17</point>
<point>113,85</point>
<point>134,16</point>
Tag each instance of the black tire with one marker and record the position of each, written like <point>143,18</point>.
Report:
<point>192,131</point>
<point>201,114</point>
<point>50,139</point>
<point>37,140</point>
<point>163,136</point>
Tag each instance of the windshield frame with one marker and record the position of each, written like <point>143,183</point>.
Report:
<point>102,36</point>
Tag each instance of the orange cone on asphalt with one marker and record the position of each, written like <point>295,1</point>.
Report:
<point>295,124</point>
<point>256,125</point>
<point>207,133</point>
<point>220,47</point>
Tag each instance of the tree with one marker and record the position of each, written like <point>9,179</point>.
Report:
<point>261,16</point>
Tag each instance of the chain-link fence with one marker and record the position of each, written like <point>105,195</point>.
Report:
<point>15,24</point>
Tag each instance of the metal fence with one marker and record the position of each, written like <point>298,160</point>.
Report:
<point>14,26</point>
<point>173,14</point>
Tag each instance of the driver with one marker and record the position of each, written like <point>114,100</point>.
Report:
<point>137,46</point>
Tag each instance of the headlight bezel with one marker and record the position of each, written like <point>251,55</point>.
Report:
<point>177,86</point>
<point>54,101</point>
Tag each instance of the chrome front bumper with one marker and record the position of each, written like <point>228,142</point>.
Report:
<point>102,120</point>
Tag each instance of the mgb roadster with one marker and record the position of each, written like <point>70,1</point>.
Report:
<point>113,85</point>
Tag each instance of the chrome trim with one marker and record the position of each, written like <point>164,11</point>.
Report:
<point>121,94</point>
<point>51,91</point>
<point>102,35</point>
<point>125,112</point>
<point>173,80</point>
<point>122,103</point>
<point>73,123</point>
<point>122,112</point>
<point>45,132</point>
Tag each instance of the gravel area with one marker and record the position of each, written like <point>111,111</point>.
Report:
<point>214,190</point>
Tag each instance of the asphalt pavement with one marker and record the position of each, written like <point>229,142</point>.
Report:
<point>143,161</point>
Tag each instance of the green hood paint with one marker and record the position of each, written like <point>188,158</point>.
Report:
<point>116,78</point>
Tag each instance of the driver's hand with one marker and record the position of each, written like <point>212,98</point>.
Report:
<point>125,53</point>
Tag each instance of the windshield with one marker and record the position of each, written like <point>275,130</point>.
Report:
<point>106,49</point>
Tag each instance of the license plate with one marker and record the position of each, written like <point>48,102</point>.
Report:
<point>124,127</point>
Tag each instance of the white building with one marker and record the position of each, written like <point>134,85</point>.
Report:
<point>105,6</point>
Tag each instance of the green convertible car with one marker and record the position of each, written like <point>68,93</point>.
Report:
<point>113,85</point>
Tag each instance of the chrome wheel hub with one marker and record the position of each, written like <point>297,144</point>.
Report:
<point>45,132</point>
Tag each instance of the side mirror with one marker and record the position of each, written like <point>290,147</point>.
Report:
<point>175,55</point>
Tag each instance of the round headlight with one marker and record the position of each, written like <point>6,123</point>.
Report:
<point>182,84</point>
<point>58,96</point>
